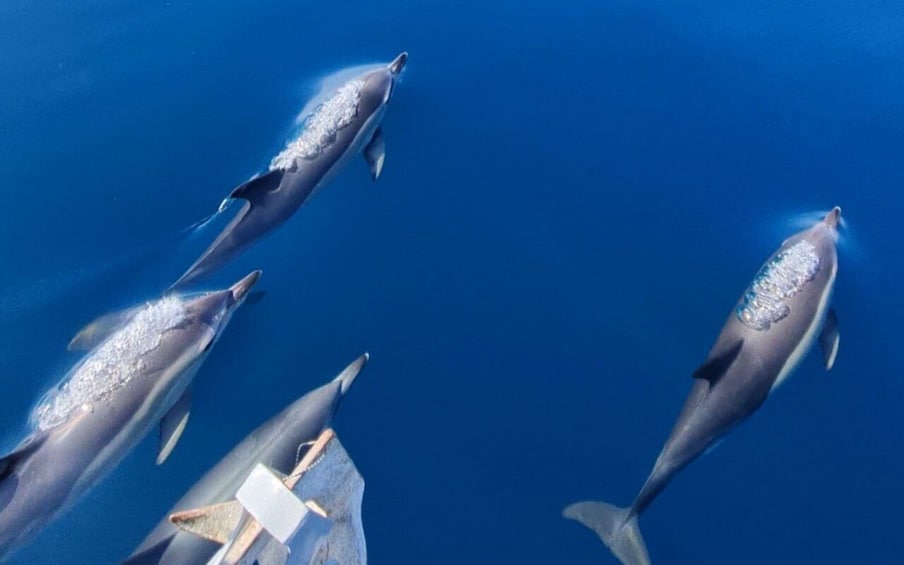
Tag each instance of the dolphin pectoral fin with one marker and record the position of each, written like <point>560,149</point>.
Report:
<point>172,425</point>
<point>718,362</point>
<point>829,338</point>
<point>375,153</point>
<point>100,329</point>
<point>215,522</point>
<point>258,187</point>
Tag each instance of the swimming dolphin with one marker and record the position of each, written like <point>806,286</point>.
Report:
<point>776,321</point>
<point>279,444</point>
<point>313,513</point>
<point>139,375</point>
<point>347,122</point>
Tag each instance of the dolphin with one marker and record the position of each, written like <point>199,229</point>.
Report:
<point>137,376</point>
<point>347,122</point>
<point>279,444</point>
<point>775,322</point>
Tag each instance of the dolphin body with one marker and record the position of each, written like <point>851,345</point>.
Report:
<point>347,122</point>
<point>278,444</point>
<point>776,321</point>
<point>138,375</point>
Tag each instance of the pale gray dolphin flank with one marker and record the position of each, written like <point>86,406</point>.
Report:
<point>279,444</point>
<point>777,320</point>
<point>138,375</point>
<point>346,123</point>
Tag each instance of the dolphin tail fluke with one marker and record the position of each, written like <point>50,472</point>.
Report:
<point>617,527</point>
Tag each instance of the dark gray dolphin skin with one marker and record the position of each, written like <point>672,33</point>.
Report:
<point>137,376</point>
<point>278,444</point>
<point>774,324</point>
<point>346,123</point>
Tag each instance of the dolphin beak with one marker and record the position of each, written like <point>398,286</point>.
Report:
<point>397,64</point>
<point>240,289</point>
<point>348,375</point>
<point>833,218</point>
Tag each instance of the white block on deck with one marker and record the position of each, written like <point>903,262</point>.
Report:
<point>274,506</point>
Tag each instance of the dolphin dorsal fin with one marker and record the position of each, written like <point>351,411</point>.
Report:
<point>718,362</point>
<point>375,153</point>
<point>829,338</point>
<point>101,328</point>
<point>9,461</point>
<point>257,188</point>
<point>172,425</point>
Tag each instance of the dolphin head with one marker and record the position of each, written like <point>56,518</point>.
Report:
<point>398,64</point>
<point>215,309</point>
<point>239,291</point>
<point>344,380</point>
<point>312,413</point>
<point>379,84</point>
<point>833,219</point>
<point>827,228</point>
<point>823,232</point>
<point>818,243</point>
<point>327,398</point>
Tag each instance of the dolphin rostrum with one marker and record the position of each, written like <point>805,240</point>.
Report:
<point>138,375</point>
<point>279,443</point>
<point>346,123</point>
<point>776,321</point>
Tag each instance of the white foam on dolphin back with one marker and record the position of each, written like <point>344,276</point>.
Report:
<point>321,126</point>
<point>111,365</point>
<point>766,301</point>
<point>329,84</point>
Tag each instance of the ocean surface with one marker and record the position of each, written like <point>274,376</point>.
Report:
<point>574,196</point>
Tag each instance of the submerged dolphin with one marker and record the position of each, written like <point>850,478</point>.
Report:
<point>139,374</point>
<point>776,321</point>
<point>278,444</point>
<point>347,122</point>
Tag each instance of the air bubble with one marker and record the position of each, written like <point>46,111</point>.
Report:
<point>321,127</point>
<point>111,365</point>
<point>785,275</point>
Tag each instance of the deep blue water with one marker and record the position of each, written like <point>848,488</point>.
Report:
<point>575,193</point>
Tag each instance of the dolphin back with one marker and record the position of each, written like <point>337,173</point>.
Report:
<point>264,210</point>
